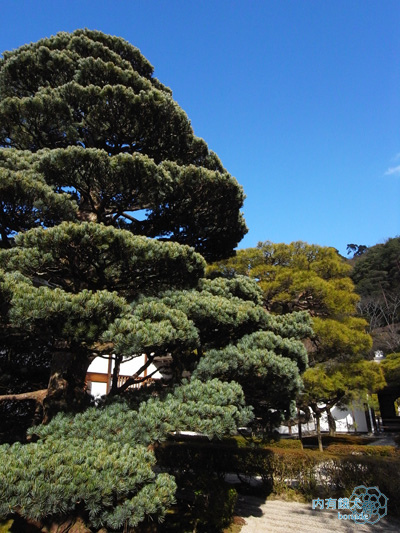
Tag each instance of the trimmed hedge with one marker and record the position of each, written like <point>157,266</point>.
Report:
<point>292,444</point>
<point>309,473</point>
<point>249,442</point>
<point>343,473</point>
<point>371,451</point>
<point>345,439</point>
<point>274,467</point>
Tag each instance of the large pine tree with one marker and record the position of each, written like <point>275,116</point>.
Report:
<point>107,201</point>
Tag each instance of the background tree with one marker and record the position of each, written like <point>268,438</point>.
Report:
<point>105,186</point>
<point>356,250</point>
<point>391,368</point>
<point>376,274</point>
<point>342,385</point>
<point>304,277</point>
<point>312,279</point>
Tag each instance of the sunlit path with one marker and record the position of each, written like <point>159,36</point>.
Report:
<point>275,516</point>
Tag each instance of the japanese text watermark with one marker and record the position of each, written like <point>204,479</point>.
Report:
<point>366,505</point>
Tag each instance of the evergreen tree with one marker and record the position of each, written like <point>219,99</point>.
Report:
<point>391,369</point>
<point>376,274</point>
<point>94,136</point>
<point>378,269</point>
<point>314,279</point>
<point>341,385</point>
<point>91,135</point>
<point>305,277</point>
<point>107,201</point>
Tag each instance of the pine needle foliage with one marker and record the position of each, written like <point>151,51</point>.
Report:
<point>109,207</point>
<point>84,114</point>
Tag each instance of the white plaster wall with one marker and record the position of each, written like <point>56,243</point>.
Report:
<point>344,422</point>
<point>99,365</point>
<point>98,389</point>
<point>127,368</point>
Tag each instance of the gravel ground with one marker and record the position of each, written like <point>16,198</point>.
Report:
<point>274,516</point>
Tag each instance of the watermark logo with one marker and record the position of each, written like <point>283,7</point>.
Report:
<point>366,505</point>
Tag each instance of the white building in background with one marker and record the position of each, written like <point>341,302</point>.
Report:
<point>99,374</point>
<point>351,419</point>
<point>348,420</point>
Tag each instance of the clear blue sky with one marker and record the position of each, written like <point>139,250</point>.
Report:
<point>300,99</point>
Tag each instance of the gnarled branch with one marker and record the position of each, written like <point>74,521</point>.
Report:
<point>37,395</point>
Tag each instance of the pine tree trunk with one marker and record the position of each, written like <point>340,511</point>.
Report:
<point>318,420</point>
<point>67,387</point>
<point>117,367</point>
<point>331,423</point>
<point>300,428</point>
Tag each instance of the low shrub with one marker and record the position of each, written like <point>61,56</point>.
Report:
<point>284,471</point>
<point>294,468</point>
<point>371,451</point>
<point>276,468</point>
<point>343,474</point>
<point>214,507</point>
<point>205,501</point>
<point>346,439</point>
<point>287,444</point>
<point>251,442</point>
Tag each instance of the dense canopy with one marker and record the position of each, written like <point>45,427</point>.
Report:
<point>107,200</point>
<point>306,277</point>
<point>376,274</point>
<point>92,135</point>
